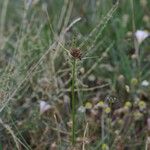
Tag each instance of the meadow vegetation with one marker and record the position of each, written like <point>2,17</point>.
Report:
<point>75,75</point>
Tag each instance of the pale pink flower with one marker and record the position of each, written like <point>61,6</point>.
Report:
<point>141,35</point>
<point>44,106</point>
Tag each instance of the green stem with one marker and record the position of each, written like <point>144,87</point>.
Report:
<point>73,101</point>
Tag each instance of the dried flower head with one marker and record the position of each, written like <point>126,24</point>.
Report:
<point>134,81</point>
<point>105,146</point>
<point>120,122</point>
<point>107,110</point>
<point>88,105</point>
<point>137,115</point>
<point>142,105</point>
<point>100,104</point>
<point>76,53</point>
<point>128,104</point>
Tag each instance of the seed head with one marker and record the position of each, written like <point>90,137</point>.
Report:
<point>76,53</point>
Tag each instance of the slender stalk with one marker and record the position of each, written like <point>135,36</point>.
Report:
<point>102,126</point>
<point>136,44</point>
<point>73,101</point>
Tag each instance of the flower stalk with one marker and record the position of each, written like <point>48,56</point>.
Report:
<point>73,102</point>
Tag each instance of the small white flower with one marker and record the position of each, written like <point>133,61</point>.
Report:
<point>145,83</point>
<point>81,109</point>
<point>141,35</point>
<point>91,77</point>
<point>44,106</point>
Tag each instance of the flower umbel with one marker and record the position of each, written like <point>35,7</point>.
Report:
<point>76,53</point>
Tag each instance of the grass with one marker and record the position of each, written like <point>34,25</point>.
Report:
<point>97,101</point>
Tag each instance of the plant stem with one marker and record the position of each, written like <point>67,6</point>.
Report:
<point>73,101</point>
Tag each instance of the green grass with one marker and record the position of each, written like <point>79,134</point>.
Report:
<point>35,43</point>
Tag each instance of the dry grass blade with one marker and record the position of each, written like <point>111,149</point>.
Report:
<point>11,132</point>
<point>100,27</point>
